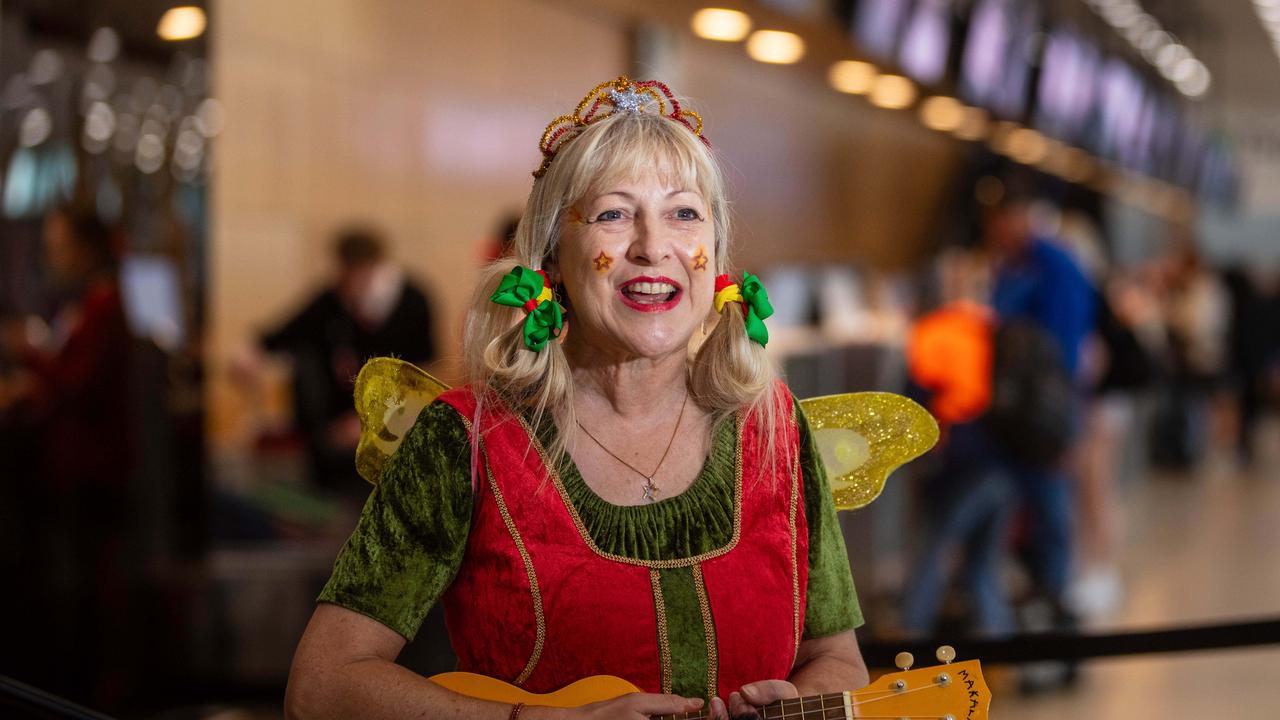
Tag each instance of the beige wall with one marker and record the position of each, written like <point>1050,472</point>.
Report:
<point>424,117</point>
<point>420,116</point>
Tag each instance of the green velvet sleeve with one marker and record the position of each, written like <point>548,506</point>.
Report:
<point>832,604</point>
<point>412,534</point>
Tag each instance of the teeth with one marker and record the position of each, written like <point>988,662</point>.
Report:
<point>647,288</point>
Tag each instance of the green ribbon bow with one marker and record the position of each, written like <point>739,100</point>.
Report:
<point>756,302</point>
<point>523,288</point>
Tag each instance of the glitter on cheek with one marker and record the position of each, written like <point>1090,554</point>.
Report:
<point>602,262</point>
<point>700,258</point>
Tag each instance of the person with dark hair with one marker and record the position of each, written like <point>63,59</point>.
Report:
<point>74,393</point>
<point>371,309</point>
<point>1045,310</point>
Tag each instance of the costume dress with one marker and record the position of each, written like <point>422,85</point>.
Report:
<point>543,582</point>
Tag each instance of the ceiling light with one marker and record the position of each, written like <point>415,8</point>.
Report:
<point>1169,56</point>
<point>942,113</point>
<point>852,76</point>
<point>181,23</point>
<point>775,46</point>
<point>1026,146</point>
<point>893,92</point>
<point>973,126</point>
<point>721,24</point>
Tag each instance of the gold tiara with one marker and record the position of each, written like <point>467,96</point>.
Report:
<point>608,98</point>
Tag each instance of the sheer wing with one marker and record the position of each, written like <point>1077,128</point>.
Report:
<point>390,394</point>
<point>865,436</point>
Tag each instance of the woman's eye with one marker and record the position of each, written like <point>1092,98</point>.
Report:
<point>688,214</point>
<point>609,215</point>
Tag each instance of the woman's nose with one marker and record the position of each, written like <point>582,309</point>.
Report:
<point>651,245</point>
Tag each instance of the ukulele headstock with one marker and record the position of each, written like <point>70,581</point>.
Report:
<point>951,691</point>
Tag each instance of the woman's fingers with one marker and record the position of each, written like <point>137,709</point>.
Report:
<point>757,694</point>
<point>647,705</point>
<point>764,692</point>
<point>719,711</point>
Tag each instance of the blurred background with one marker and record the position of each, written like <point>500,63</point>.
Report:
<point>1030,215</point>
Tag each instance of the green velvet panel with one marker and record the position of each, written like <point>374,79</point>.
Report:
<point>696,521</point>
<point>685,633</point>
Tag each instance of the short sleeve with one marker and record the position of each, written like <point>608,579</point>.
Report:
<point>831,604</point>
<point>412,534</point>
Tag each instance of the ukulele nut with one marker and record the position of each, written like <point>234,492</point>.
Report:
<point>943,680</point>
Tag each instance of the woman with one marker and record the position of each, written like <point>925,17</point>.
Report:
<point>603,500</point>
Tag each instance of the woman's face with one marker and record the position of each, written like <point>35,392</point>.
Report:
<point>637,260</point>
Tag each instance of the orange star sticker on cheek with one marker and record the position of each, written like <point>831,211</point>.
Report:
<point>700,259</point>
<point>602,261</point>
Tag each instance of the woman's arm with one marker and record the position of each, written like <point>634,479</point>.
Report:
<point>829,664</point>
<point>823,665</point>
<point>345,668</point>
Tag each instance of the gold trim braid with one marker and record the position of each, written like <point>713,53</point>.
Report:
<point>709,628</point>
<point>795,546</point>
<point>664,643</point>
<point>540,620</point>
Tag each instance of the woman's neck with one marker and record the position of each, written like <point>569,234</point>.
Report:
<point>630,387</point>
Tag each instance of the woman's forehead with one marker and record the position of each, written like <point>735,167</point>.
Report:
<point>661,179</point>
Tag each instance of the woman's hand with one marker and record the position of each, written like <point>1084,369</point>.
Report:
<point>634,706</point>
<point>752,696</point>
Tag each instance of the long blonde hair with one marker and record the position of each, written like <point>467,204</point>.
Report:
<point>727,373</point>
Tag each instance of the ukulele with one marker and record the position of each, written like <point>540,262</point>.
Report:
<point>950,691</point>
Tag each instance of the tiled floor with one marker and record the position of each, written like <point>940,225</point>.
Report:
<point>1202,548</point>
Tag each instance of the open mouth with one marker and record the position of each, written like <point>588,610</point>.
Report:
<point>650,294</point>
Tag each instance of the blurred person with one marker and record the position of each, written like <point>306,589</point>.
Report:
<point>1118,368</point>
<point>1197,309</point>
<point>1045,310</point>
<point>640,482</point>
<point>968,499</point>
<point>504,237</point>
<point>370,309</point>
<point>73,388</point>
<point>1253,341</point>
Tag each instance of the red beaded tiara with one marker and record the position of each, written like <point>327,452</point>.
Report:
<point>607,98</point>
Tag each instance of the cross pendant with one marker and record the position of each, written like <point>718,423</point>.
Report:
<point>650,490</point>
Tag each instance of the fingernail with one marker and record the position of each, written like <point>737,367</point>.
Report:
<point>696,702</point>
<point>749,688</point>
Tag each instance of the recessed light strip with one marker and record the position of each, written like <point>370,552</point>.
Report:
<point>1171,58</point>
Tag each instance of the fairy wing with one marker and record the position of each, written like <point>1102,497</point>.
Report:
<point>390,394</point>
<point>863,437</point>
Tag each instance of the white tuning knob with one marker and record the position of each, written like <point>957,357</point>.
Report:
<point>904,660</point>
<point>946,654</point>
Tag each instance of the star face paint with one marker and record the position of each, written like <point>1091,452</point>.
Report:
<point>700,258</point>
<point>602,262</point>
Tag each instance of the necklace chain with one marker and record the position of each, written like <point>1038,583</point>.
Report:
<point>650,489</point>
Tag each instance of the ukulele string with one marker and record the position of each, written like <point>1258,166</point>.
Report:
<point>802,713</point>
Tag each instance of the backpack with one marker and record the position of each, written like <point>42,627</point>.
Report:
<point>1032,411</point>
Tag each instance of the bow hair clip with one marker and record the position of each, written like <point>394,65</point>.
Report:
<point>530,290</point>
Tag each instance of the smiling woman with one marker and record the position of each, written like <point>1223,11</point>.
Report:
<point>617,490</point>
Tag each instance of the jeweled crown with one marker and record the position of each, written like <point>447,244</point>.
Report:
<point>608,98</point>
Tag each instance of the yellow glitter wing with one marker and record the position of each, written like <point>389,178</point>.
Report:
<point>390,394</point>
<point>865,436</point>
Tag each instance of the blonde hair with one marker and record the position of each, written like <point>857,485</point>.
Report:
<point>727,373</point>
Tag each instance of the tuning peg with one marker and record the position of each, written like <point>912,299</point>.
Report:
<point>946,654</point>
<point>904,660</point>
